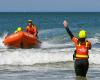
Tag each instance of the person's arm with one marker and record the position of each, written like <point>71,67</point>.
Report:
<point>35,30</point>
<point>27,29</point>
<point>67,29</point>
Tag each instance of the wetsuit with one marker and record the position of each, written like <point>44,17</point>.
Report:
<point>80,57</point>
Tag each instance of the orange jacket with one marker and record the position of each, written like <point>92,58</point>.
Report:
<point>32,30</point>
<point>81,48</point>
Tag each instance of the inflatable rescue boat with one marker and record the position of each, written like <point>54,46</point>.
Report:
<point>21,40</point>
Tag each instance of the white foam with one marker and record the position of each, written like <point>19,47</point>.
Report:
<point>94,40</point>
<point>1,40</point>
<point>47,44</point>
<point>34,56</point>
<point>95,56</point>
<point>97,34</point>
<point>30,57</point>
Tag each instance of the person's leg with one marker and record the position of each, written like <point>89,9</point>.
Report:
<point>77,68</point>
<point>85,66</point>
<point>81,67</point>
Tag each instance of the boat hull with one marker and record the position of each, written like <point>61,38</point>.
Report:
<point>21,40</point>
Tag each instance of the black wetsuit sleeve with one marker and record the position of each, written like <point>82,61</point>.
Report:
<point>69,32</point>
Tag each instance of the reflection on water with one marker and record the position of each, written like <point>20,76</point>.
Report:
<point>81,78</point>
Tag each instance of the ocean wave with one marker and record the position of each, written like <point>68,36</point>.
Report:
<point>94,40</point>
<point>49,34</point>
<point>40,56</point>
<point>30,57</point>
<point>47,44</point>
<point>48,53</point>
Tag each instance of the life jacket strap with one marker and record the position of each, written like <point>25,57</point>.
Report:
<point>79,44</point>
<point>81,56</point>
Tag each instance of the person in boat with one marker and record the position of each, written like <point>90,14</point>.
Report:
<point>18,29</point>
<point>31,28</point>
<point>81,54</point>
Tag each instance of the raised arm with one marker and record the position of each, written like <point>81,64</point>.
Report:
<point>65,23</point>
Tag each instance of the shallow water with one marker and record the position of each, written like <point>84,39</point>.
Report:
<point>52,71</point>
<point>54,60</point>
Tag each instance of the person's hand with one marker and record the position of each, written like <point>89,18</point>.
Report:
<point>65,23</point>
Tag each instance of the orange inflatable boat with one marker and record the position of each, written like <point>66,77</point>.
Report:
<point>21,40</point>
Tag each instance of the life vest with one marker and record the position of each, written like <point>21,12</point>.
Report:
<point>81,48</point>
<point>31,30</point>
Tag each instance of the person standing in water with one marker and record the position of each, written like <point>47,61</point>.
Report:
<point>81,54</point>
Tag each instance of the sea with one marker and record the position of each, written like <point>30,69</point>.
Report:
<point>54,59</point>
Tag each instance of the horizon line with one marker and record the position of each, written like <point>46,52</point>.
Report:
<point>50,12</point>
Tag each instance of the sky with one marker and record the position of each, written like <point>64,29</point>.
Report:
<point>49,5</point>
